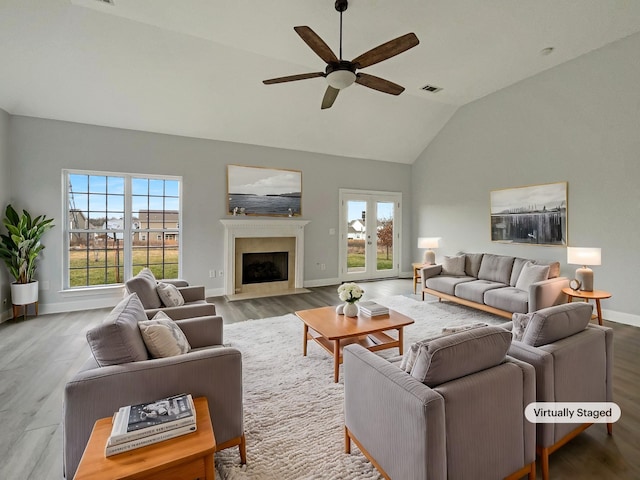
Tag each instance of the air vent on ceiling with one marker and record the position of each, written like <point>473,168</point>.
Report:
<point>431,88</point>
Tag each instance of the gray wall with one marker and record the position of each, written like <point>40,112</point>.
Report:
<point>40,149</point>
<point>578,122</point>
<point>5,198</point>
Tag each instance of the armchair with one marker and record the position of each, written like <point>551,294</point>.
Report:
<point>145,285</point>
<point>120,373</point>
<point>458,414</point>
<point>573,360</point>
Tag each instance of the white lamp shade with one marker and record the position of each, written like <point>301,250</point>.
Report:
<point>428,242</point>
<point>584,256</point>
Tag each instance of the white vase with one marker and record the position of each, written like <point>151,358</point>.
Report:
<point>350,309</point>
<point>24,293</point>
<point>340,309</point>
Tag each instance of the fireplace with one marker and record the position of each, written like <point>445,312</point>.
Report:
<point>263,237</point>
<point>265,267</point>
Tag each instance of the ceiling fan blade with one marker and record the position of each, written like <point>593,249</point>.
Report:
<point>316,44</point>
<point>386,50</point>
<point>379,84</point>
<point>293,78</point>
<point>329,97</point>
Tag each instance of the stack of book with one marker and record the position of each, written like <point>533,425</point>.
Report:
<point>136,426</point>
<point>372,309</point>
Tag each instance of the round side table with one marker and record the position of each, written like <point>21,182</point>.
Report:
<point>596,295</point>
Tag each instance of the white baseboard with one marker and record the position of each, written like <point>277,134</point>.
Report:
<point>621,317</point>
<point>6,315</point>
<point>322,282</point>
<point>214,292</point>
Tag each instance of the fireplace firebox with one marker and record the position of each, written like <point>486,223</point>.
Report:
<point>265,267</point>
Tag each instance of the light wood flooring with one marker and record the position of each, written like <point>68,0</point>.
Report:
<point>38,355</point>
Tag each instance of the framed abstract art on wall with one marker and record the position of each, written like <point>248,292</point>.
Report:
<point>535,214</point>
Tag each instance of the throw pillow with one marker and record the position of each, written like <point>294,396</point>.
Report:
<point>531,274</point>
<point>453,265</point>
<point>163,337</point>
<point>117,340</point>
<point>520,322</point>
<point>169,294</point>
<point>409,357</point>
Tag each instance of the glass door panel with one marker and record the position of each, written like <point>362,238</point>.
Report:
<point>384,236</point>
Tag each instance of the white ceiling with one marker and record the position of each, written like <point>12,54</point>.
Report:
<point>195,67</point>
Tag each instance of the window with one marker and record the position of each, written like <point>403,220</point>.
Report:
<point>117,224</point>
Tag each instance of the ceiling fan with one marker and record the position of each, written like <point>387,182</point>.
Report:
<point>341,73</point>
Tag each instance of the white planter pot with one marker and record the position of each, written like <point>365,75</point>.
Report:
<point>24,293</point>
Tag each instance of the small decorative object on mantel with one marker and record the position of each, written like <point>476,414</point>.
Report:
<point>350,293</point>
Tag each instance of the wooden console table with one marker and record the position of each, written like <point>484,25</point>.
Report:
<point>189,456</point>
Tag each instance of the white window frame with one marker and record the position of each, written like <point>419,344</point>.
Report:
<point>128,230</point>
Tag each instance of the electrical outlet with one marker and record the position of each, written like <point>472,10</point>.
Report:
<point>212,274</point>
<point>4,302</point>
<point>323,266</point>
<point>220,273</point>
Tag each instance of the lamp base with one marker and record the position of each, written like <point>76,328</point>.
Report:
<point>429,257</point>
<point>585,276</point>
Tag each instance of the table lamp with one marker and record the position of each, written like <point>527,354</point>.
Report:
<point>429,243</point>
<point>585,257</point>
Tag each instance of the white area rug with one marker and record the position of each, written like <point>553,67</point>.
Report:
<point>294,411</point>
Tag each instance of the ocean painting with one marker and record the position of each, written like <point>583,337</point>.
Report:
<point>263,191</point>
<point>534,215</point>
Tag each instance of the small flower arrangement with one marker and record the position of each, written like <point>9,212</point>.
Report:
<point>350,292</point>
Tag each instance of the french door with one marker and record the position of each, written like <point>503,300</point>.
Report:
<point>369,234</point>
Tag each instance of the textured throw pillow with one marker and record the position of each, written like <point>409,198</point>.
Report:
<point>170,295</point>
<point>531,274</point>
<point>520,322</point>
<point>117,340</point>
<point>163,337</point>
<point>453,265</point>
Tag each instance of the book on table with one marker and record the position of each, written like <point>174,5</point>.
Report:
<point>145,420</point>
<point>148,440</point>
<point>372,309</point>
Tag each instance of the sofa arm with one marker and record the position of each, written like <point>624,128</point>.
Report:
<point>201,309</point>
<point>547,293</point>
<point>192,293</point>
<point>178,282</point>
<point>394,416</point>
<point>430,271</point>
<point>96,393</point>
<point>202,331</point>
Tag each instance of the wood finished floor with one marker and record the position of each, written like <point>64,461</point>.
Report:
<point>39,355</point>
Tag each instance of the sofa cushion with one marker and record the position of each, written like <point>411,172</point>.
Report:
<point>453,265</point>
<point>531,274</point>
<point>476,289</point>
<point>446,284</point>
<point>144,284</point>
<point>554,268</point>
<point>509,298</point>
<point>518,263</point>
<point>118,340</point>
<point>163,337</point>
<point>472,264</point>
<point>496,268</point>
<point>170,295</point>
<point>555,323</point>
<point>453,356</point>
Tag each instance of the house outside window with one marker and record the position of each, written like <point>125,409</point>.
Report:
<point>117,224</point>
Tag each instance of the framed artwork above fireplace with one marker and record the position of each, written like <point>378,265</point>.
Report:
<point>264,191</point>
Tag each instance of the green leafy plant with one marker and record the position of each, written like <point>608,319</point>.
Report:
<point>21,246</point>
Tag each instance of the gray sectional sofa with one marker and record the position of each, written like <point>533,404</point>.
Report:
<point>498,284</point>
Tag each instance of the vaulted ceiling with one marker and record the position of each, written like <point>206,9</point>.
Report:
<point>195,67</point>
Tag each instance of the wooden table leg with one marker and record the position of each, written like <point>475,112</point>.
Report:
<point>36,309</point>
<point>305,332</point>
<point>599,311</point>
<point>400,341</point>
<point>336,360</point>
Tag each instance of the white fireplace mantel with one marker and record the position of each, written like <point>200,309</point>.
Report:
<point>259,227</point>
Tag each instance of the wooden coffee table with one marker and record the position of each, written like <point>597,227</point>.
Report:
<point>187,456</point>
<point>333,332</point>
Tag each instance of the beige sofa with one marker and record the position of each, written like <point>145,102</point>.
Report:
<point>498,284</point>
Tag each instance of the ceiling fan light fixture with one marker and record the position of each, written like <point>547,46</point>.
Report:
<point>341,79</point>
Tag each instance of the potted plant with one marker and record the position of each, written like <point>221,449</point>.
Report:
<point>20,249</point>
